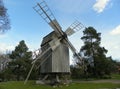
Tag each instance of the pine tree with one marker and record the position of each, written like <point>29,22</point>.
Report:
<point>21,60</point>
<point>94,55</point>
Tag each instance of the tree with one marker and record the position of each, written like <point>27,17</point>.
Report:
<point>94,55</point>
<point>4,18</point>
<point>4,72</point>
<point>21,61</point>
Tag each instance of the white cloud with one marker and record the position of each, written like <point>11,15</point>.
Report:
<point>4,47</point>
<point>112,44</point>
<point>116,31</point>
<point>100,5</point>
<point>113,49</point>
<point>2,36</point>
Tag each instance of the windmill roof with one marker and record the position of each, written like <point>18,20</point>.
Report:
<point>48,38</point>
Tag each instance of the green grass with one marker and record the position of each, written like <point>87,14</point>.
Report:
<point>32,85</point>
<point>116,76</point>
<point>81,85</point>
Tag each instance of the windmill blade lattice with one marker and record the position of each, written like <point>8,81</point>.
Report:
<point>76,26</point>
<point>43,10</point>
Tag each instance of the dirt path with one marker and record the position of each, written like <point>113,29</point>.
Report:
<point>100,81</point>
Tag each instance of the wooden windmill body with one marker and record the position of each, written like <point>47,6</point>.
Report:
<point>57,60</point>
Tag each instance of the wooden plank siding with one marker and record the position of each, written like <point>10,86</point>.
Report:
<point>58,60</point>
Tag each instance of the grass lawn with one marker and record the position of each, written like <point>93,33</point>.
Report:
<point>32,85</point>
<point>116,76</point>
<point>76,85</point>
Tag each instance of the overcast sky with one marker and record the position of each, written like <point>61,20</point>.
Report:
<point>26,24</point>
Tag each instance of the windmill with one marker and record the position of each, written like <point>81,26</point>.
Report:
<point>54,58</point>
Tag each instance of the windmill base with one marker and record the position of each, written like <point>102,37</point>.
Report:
<point>54,79</point>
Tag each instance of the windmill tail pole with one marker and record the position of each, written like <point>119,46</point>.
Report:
<point>34,64</point>
<point>29,73</point>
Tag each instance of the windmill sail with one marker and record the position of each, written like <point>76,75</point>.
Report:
<point>73,49</point>
<point>76,26</point>
<point>55,25</point>
<point>43,10</point>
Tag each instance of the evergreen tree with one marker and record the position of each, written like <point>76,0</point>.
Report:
<point>94,55</point>
<point>21,61</point>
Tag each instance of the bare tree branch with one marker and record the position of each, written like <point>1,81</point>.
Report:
<point>4,18</point>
